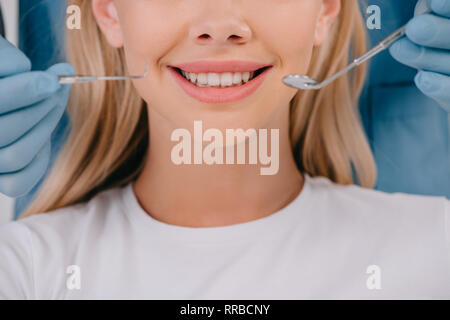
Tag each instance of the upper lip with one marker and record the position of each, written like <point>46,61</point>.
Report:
<point>207,66</point>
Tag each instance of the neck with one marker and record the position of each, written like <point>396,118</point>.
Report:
<point>202,195</point>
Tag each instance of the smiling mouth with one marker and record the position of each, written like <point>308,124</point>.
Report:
<point>220,80</point>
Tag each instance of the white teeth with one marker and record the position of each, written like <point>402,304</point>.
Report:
<point>212,79</point>
<point>245,76</point>
<point>202,78</point>
<point>237,78</point>
<point>226,79</point>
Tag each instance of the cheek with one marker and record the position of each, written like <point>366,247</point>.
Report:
<point>148,30</point>
<point>291,32</point>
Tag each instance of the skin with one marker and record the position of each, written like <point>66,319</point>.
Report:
<point>281,33</point>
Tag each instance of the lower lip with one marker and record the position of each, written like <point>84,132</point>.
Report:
<point>219,95</point>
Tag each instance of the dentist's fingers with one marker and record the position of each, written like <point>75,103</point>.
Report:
<point>12,60</point>
<point>25,89</point>
<point>440,7</point>
<point>19,183</point>
<point>15,124</point>
<point>418,57</point>
<point>436,86</point>
<point>430,30</point>
<point>19,154</point>
<point>61,69</point>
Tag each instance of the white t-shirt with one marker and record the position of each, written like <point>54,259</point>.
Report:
<point>331,242</point>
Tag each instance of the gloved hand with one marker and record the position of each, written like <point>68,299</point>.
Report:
<point>31,105</point>
<point>427,48</point>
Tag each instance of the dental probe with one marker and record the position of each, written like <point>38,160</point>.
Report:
<point>84,79</point>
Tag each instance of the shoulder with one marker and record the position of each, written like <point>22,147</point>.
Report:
<point>44,244</point>
<point>66,221</point>
<point>63,228</point>
<point>363,200</point>
<point>77,215</point>
<point>383,216</point>
<point>76,218</point>
<point>408,236</point>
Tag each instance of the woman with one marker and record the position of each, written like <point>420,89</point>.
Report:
<point>119,218</point>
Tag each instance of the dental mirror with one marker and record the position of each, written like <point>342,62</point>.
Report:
<point>303,82</point>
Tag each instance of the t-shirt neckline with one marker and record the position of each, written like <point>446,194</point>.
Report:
<point>231,233</point>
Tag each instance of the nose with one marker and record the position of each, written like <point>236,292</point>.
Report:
<point>219,24</point>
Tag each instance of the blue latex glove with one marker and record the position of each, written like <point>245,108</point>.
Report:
<point>31,105</point>
<point>427,48</point>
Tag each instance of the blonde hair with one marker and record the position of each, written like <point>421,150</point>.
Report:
<point>108,142</point>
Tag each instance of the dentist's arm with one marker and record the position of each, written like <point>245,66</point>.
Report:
<point>427,48</point>
<point>31,105</point>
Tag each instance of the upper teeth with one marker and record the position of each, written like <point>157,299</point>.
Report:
<point>226,79</point>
